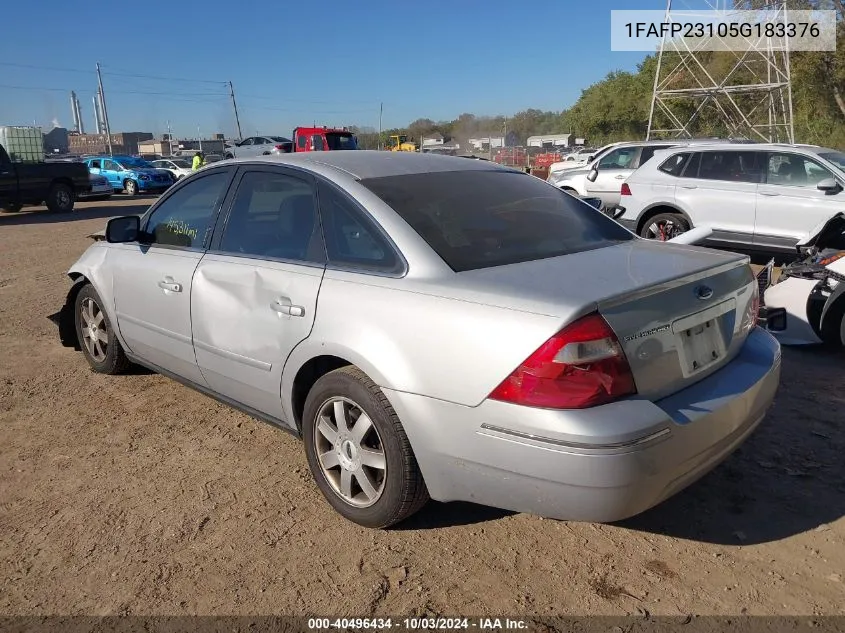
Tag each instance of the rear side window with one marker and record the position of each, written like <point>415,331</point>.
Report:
<point>674,165</point>
<point>484,218</point>
<point>352,240</point>
<point>648,152</point>
<point>731,166</point>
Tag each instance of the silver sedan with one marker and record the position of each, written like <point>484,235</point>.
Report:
<point>433,327</point>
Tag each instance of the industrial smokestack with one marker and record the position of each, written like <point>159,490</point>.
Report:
<point>98,115</point>
<point>79,117</point>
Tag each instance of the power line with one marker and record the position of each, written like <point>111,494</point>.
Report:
<point>118,73</point>
<point>52,68</point>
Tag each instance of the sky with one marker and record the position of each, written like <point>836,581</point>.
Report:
<point>329,62</point>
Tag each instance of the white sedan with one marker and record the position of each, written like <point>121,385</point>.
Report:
<point>178,167</point>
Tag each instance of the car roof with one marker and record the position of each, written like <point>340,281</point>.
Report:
<point>362,164</point>
<point>765,147</point>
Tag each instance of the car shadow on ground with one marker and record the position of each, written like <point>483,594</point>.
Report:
<point>787,478</point>
<point>439,515</point>
<point>103,210</point>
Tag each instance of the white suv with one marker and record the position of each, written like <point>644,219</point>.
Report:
<point>762,197</point>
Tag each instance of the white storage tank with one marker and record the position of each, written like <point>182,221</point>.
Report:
<point>23,144</point>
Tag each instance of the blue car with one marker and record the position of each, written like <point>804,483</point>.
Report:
<point>130,174</point>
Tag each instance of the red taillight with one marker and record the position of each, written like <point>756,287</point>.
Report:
<point>581,366</point>
<point>280,147</point>
<point>626,190</point>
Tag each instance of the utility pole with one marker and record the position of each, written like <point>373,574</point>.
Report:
<point>380,112</point>
<point>235,106</point>
<point>105,112</point>
<point>199,137</point>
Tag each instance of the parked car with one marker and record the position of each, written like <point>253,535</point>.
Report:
<point>101,188</point>
<point>603,177</point>
<point>259,146</point>
<point>764,196</point>
<point>417,321</point>
<point>57,184</point>
<point>576,160</point>
<point>130,174</point>
<point>805,304</point>
<point>178,167</point>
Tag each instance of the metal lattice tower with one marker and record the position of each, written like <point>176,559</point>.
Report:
<point>748,92</point>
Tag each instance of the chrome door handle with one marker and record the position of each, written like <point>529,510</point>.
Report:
<point>769,194</point>
<point>689,186</point>
<point>620,177</point>
<point>288,309</point>
<point>170,285</point>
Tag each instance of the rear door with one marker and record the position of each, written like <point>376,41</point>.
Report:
<point>255,293</point>
<point>718,188</point>
<point>152,281</point>
<point>790,204</point>
<point>613,169</point>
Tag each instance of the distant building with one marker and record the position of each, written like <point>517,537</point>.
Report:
<point>481,142</point>
<point>432,140</point>
<point>121,143</point>
<point>56,141</point>
<point>549,140</point>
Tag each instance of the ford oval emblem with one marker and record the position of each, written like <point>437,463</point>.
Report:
<point>703,292</point>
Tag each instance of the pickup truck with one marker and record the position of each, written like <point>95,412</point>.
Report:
<point>305,139</point>
<point>55,184</point>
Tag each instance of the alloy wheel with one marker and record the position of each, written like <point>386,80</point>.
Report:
<point>350,452</point>
<point>94,333</point>
<point>664,230</point>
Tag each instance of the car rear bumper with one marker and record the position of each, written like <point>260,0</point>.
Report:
<point>601,464</point>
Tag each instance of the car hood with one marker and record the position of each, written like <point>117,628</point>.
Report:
<point>823,231</point>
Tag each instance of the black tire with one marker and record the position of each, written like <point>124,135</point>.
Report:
<point>668,225</point>
<point>113,360</point>
<point>833,328</point>
<point>403,491</point>
<point>60,198</point>
<point>11,207</point>
<point>130,187</point>
<point>229,156</point>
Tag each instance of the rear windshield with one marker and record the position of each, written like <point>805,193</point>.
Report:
<point>479,219</point>
<point>341,141</point>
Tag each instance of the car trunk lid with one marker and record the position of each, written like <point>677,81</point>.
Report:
<point>677,310</point>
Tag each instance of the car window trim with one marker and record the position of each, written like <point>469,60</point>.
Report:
<point>801,156</point>
<point>368,217</point>
<point>176,187</point>
<point>229,201</point>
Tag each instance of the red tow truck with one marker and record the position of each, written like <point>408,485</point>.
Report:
<point>322,139</point>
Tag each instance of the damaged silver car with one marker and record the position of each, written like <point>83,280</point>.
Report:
<point>805,304</point>
<point>434,327</point>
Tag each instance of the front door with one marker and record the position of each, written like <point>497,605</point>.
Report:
<point>152,281</point>
<point>613,169</point>
<point>790,204</point>
<point>255,293</point>
<point>112,172</point>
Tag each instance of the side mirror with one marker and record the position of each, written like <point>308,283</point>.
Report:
<point>123,229</point>
<point>828,185</point>
<point>594,173</point>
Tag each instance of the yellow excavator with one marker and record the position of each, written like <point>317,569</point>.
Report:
<point>400,143</point>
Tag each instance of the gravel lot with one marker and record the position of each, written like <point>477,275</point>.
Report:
<point>135,495</point>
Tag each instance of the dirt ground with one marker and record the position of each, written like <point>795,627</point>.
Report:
<point>135,495</point>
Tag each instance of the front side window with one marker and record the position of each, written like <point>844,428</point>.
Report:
<point>483,218</point>
<point>274,215</point>
<point>185,217</point>
<point>246,142</point>
<point>793,170</point>
<point>302,142</point>
<point>317,143</point>
<point>622,158</point>
<point>352,240</point>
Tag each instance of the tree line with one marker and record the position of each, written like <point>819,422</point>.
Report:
<point>617,107</point>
